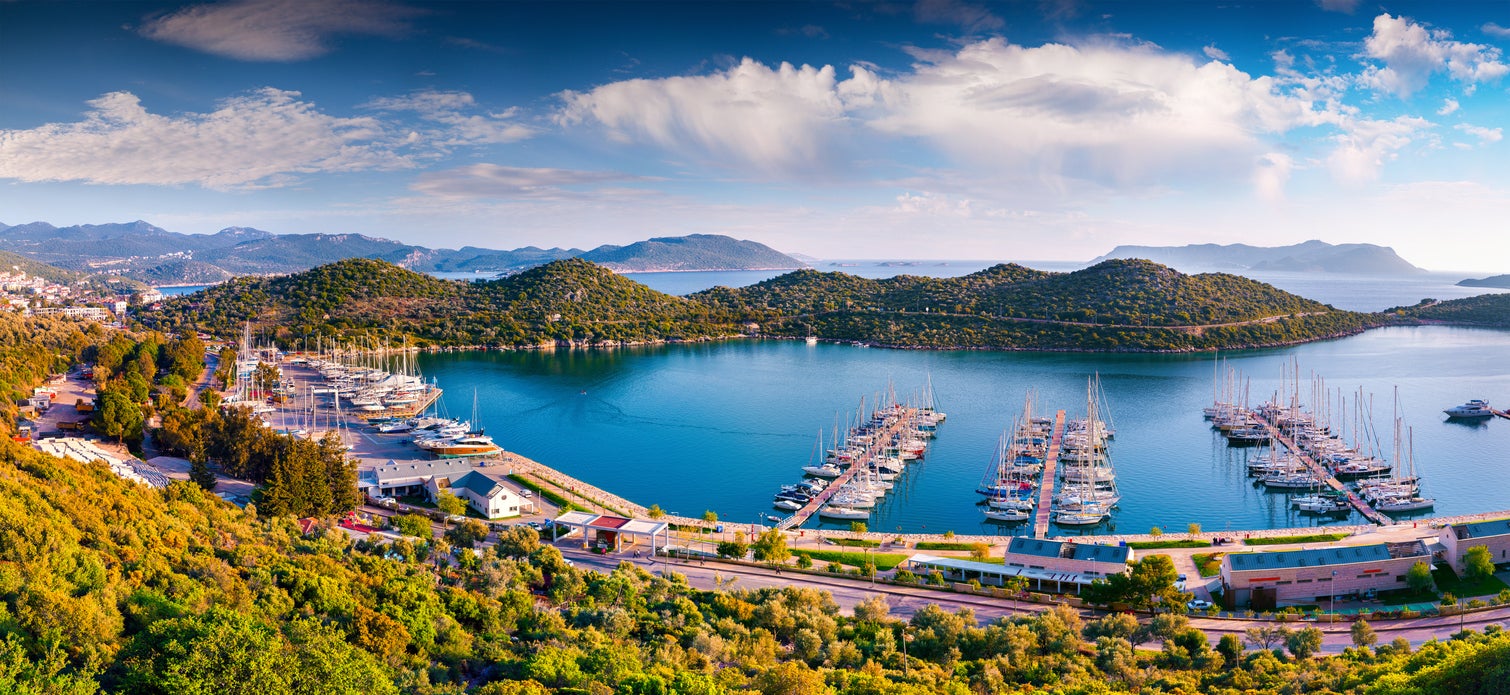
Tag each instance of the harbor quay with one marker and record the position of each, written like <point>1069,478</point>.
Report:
<point>1426,539</point>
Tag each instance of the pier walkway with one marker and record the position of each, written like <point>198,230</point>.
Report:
<point>1332,482</point>
<point>906,417</point>
<point>1042,511</point>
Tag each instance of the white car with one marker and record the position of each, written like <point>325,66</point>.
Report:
<point>1198,605</point>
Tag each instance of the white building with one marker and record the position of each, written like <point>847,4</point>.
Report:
<point>484,493</point>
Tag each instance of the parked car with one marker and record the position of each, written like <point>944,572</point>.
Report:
<point>1198,605</point>
<point>388,502</point>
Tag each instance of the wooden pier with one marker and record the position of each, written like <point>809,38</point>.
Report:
<point>1043,510</point>
<point>878,444</point>
<point>402,412</point>
<point>1332,482</point>
<point>1501,413</point>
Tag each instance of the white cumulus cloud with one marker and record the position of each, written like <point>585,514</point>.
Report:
<point>1271,175</point>
<point>1495,30</point>
<point>1412,53</point>
<point>1449,105</point>
<point>1366,145</point>
<point>777,120</point>
<point>1110,114</point>
<point>275,30</point>
<point>264,138</point>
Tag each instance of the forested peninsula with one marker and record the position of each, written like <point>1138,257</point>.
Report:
<point>1117,305</point>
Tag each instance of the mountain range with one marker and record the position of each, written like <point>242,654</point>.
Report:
<point>147,253</point>
<point>1311,256</point>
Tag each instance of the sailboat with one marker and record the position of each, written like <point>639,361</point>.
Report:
<point>1411,500</point>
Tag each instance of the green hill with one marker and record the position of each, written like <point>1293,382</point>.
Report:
<point>15,261</point>
<point>1114,305</point>
<point>1488,310</point>
<point>564,302</point>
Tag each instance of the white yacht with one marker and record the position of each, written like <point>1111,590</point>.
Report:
<point>1475,408</point>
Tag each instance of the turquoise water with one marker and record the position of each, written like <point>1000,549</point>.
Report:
<point>722,426</point>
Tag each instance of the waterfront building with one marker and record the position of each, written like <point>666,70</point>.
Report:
<point>1456,539</point>
<point>399,478</point>
<point>1267,580</point>
<point>607,533</point>
<point>484,493</point>
<point>1055,566</point>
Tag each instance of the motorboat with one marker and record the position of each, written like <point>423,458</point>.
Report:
<point>1007,515</point>
<point>843,513</point>
<point>787,505</point>
<point>1475,408</point>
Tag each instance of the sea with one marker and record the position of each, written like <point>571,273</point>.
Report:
<point>721,426</point>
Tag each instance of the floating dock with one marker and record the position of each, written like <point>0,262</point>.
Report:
<point>402,413</point>
<point>907,417</point>
<point>1332,482</point>
<point>1044,510</point>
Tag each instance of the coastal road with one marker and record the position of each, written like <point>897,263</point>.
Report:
<point>905,601</point>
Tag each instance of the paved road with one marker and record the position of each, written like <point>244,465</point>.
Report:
<point>906,601</point>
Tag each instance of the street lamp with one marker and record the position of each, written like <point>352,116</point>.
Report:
<point>1333,603</point>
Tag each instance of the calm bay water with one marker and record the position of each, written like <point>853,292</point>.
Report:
<point>722,426</point>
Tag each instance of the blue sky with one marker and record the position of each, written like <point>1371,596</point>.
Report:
<point>1030,130</point>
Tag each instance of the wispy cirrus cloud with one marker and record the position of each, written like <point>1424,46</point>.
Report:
<point>264,138</point>
<point>449,110</point>
<point>968,16</point>
<point>505,182</point>
<point>276,30</point>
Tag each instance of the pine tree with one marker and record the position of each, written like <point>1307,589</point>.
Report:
<point>200,473</point>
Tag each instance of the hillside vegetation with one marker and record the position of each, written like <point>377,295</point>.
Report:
<point>108,586</point>
<point>1488,310</point>
<point>1114,305</point>
<point>567,301</point>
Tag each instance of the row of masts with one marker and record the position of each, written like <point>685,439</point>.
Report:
<point>1321,433</point>
<point>849,480</point>
<point>1082,481</point>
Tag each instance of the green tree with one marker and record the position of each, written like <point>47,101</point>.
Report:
<point>1418,577</point>
<point>220,653</point>
<point>1231,649</point>
<point>1479,563</point>
<point>417,525</point>
<point>710,516</point>
<point>467,533</point>
<point>858,527</point>
<point>118,416</point>
<point>450,504</point>
<point>980,551</point>
<point>1363,634</point>
<point>1193,530</point>
<point>200,473</point>
<point>518,541</point>
<point>1305,642</point>
<point>770,547</point>
<point>655,512</point>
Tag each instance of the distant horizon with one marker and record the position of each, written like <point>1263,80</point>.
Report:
<point>1471,273</point>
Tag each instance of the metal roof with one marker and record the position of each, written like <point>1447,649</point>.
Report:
<point>1091,552</point>
<point>1481,529</point>
<point>418,470</point>
<point>1316,557</point>
<point>993,569</point>
<point>479,483</point>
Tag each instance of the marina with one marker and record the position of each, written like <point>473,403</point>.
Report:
<point>649,413</point>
